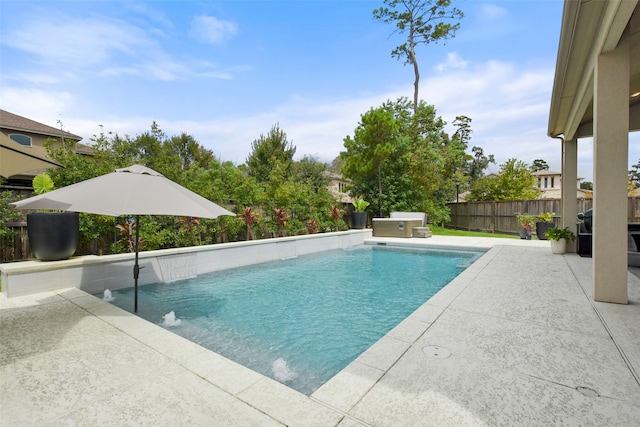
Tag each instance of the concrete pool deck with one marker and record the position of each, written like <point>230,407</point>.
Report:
<point>514,340</point>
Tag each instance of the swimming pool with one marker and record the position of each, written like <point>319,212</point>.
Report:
<point>300,321</point>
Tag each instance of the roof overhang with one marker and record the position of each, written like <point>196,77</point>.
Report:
<point>589,28</point>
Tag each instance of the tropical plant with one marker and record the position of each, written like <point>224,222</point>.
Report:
<point>526,221</point>
<point>42,183</point>
<point>249,217</point>
<point>557,233</point>
<point>128,233</point>
<point>281,218</point>
<point>360,204</point>
<point>336,214</point>
<point>312,226</point>
<point>546,216</point>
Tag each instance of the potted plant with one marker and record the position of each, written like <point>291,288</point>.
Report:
<point>53,236</point>
<point>359,216</point>
<point>544,222</point>
<point>526,221</point>
<point>559,238</point>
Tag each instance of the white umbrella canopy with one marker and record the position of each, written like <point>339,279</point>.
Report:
<point>16,159</point>
<point>135,190</point>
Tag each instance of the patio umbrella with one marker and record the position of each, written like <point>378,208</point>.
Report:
<point>16,159</point>
<point>135,190</point>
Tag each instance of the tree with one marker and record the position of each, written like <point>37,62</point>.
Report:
<point>539,165</point>
<point>456,157</point>
<point>424,22</point>
<point>311,172</point>
<point>514,182</point>
<point>268,152</point>
<point>477,164</point>
<point>400,159</point>
<point>7,214</point>
<point>336,165</point>
<point>372,144</point>
<point>586,185</point>
<point>634,175</point>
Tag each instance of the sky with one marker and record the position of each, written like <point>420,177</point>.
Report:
<point>226,72</point>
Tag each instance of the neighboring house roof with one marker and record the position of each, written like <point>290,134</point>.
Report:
<point>18,123</point>
<point>545,172</point>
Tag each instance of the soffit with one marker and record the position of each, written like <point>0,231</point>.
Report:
<point>589,27</point>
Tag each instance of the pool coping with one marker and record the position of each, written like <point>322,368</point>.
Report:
<point>333,402</point>
<point>352,383</point>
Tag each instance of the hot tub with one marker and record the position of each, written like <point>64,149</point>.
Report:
<point>395,227</point>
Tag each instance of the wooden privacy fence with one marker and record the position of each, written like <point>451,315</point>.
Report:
<point>500,216</point>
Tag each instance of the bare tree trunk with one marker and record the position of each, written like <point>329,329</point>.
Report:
<point>414,61</point>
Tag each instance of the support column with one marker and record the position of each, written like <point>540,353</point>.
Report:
<point>569,188</point>
<point>610,153</point>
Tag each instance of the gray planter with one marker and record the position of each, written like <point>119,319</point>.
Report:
<point>359,220</point>
<point>53,236</point>
<point>542,227</point>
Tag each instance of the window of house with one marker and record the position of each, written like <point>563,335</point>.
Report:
<point>546,182</point>
<point>21,139</point>
<point>552,182</point>
<point>539,182</point>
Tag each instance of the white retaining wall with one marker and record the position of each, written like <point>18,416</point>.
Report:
<point>94,274</point>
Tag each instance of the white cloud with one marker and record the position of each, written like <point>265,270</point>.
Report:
<point>453,61</point>
<point>42,106</point>
<point>78,42</point>
<point>212,30</point>
<point>492,11</point>
<point>107,48</point>
<point>507,102</point>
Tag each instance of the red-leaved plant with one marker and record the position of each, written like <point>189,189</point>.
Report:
<point>249,217</point>
<point>336,214</point>
<point>281,219</point>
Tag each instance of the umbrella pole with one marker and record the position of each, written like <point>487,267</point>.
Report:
<point>136,268</point>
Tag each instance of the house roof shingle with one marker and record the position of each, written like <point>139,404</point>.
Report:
<point>15,122</point>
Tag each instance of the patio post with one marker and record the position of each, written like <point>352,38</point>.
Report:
<point>610,153</point>
<point>569,201</point>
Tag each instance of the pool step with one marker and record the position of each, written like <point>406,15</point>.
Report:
<point>423,232</point>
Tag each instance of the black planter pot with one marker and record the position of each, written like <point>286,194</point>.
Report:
<point>359,220</point>
<point>53,236</point>
<point>542,227</point>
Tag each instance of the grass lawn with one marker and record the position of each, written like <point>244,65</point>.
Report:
<point>439,231</point>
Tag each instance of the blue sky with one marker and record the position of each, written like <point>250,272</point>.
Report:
<point>227,71</point>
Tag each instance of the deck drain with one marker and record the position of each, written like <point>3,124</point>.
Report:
<point>435,351</point>
<point>587,391</point>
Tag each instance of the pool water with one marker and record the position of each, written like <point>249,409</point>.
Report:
<point>300,321</point>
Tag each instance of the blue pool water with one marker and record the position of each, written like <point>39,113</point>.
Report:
<point>301,320</point>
